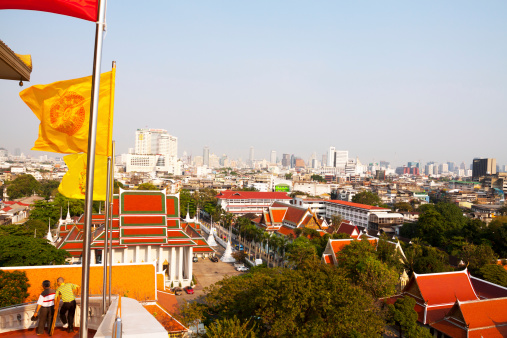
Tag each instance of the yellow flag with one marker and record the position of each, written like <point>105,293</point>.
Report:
<point>63,109</point>
<point>73,184</point>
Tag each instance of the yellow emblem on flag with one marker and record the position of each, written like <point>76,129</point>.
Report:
<point>63,109</point>
<point>73,184</point>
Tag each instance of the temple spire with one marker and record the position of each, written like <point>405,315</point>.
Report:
<point>49,237</point>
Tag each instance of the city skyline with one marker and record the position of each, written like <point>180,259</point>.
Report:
<point>374,79</point>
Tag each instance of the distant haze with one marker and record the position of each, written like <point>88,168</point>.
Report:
<point>394,81</point>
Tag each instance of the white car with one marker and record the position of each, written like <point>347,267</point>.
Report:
<point>242,268</point>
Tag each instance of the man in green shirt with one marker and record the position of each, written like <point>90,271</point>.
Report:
<point>68,309</point>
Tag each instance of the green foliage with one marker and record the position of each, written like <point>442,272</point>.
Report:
<point>22,186</point>
<point>48,188</point>
<point>231,327</point>
<point>310,301</point>
<point>28,251</point>
<point>248,189</point>
<point>493,273</point>
<point>116,187</point>
<point>288,176</point>
<point>318,178</point>
<point>368,198</point>
<point>29,228</point>
<point>301,251</point>
<point>403,315</point>
<point>426,259</point>
<point>402,206</point>
<point>13,287</point>
<point>476,256</point>
<point>358,261</point>
<point>147,186</point>
<point>239,256</point>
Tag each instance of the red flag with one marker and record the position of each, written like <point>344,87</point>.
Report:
<point>81,9</point>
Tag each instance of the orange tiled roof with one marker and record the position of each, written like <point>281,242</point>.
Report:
<point>484,313</point>
<point>445,287</point>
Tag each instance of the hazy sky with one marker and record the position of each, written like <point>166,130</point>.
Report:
<point>386,80</point>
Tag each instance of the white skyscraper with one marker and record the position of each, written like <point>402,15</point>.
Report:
<point>273,156</point>
<point>156,142</point>
<point>251,157</point>
<point>155,150</point>
<point>205,156</point>
<point>342,156</point>
<point>331,157</point>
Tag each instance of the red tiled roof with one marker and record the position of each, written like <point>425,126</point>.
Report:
<point>445,287</point>
<point>339,244</point>
<point>7,209</point>
<point>357,205</point>
<point>202,249</point>
<point>286,231</point>
<point>449,329</point>
<point>349,229</point>
<point>229,194</point>
<point>484,313</point>
<point>277,214</point>
<point>328,259</point>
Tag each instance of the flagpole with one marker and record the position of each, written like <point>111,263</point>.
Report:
<point>106,235</point>
<point>111,226</point>
<point>90,169</point>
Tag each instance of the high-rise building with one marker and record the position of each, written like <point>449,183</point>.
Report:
<point>341,158</point>
<point>273,156</point>
<point>205,156</point>
<point>413,164</point>
<point>331,157</point>
<point>156,142</point>
<point>155,150</point>
<point>286,160</point>
<point>251,156</point>
<point>482,167</point>
<point>443,168</point>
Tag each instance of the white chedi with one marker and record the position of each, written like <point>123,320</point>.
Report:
<point>211,238</point>
<point>227,256</point>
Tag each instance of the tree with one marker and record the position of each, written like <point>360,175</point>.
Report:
<point>318,178</point>
<point>30,228</point>
<point>28,251</point>
<point>288,176</point>
<point>402,206</point>
<point>301,251</point>
<point>147,186</point>
<point>231,327</point>
<point>477,256</point>
<point>369,198</point>
<point>314,301</point>
<point>116,187</point>
<point>358,261</point>
<point>13,287</point>
<point>22,186</point>
<point>403,315</point>
<point>426,259</point>
<point>493,273</point>
<point>48,188</point>
<point>239,256</point>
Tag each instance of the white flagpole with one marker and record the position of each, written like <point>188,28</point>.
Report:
<point>90,169</point>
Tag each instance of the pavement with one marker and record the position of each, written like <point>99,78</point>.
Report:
<point>59,332</point>
<point>207,273</point>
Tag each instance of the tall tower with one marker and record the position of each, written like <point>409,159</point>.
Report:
<point>205,156</point>
<point>331,157</point>
<point>251,156</point>
<point>273,156</point>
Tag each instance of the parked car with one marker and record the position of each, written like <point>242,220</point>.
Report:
<point>195,259</point>
<point>177,291</point>
<point>239,247</point>
<point>189,290</point>
<point>214,259</point>
<point>242,269</point>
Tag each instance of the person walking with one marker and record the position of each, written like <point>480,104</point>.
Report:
<point>45,307</point>
<point>68,309</point>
